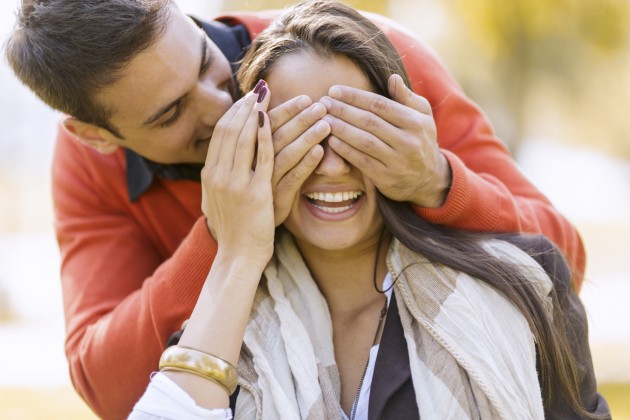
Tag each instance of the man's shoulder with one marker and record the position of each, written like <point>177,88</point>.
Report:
<point>254,22</point>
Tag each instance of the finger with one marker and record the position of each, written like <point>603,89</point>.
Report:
<point>283,113</point>
<point>265,156</point>
<point>246,144</point>
<point>389,110</point>
<point>292,154</point>
<point>214,148</point>
<point>297,125</point>
<point>289,184</point>
<point>361,119</point>
<point>400,93</point>
<point>233,132</point>
<point>371,167</point>
<point>360,140</point>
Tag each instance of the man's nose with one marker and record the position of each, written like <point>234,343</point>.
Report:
<point>332,164</point>
<point>212,103</point>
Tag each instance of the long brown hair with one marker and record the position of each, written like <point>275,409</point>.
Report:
<point>330,28</point>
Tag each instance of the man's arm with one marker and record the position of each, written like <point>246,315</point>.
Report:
<point>123,295</point>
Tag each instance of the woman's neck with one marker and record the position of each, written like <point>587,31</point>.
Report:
<point>346,278</point>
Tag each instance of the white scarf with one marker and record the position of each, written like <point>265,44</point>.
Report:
<point>471,352</point>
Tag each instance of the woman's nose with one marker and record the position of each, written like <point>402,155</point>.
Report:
<point>331,164</point>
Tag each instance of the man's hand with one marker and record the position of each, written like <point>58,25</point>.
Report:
<point>393,142</point>
<point>297,131</point>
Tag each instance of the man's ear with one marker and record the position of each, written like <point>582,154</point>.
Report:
<point>91,135</point>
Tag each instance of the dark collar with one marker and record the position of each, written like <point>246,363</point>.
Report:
<point>233,42</point>
<point>392,393</point>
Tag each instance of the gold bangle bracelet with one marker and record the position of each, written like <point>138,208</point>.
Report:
<point>207,366</point>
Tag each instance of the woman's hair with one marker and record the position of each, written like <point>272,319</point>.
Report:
<point>329,29</point>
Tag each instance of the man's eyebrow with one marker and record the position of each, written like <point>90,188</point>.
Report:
<point>163,110</point>
<point>205,63</point>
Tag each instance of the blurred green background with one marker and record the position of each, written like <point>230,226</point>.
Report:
<point>554,78</point>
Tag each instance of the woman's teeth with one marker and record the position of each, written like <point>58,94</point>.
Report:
<point>337,197</point>
<point>319,200</point>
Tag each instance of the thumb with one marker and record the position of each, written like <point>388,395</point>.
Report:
<point>400,93</point>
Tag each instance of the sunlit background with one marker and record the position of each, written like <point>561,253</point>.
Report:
<point>554,77</point>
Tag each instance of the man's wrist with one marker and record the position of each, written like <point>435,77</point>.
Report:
<point>440,186</point>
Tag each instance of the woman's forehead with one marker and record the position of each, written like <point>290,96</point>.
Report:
<point>308,73</point>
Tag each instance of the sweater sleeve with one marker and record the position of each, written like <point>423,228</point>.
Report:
<point>489,193</point>
<point>122,296</point>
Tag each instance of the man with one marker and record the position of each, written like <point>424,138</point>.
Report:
<point>143,87</point>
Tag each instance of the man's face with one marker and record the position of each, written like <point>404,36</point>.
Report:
<point>170,97</point>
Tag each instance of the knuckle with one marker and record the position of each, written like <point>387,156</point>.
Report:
<point>370,121</point>
<point>285,157</point>
<point>424,104</point>
<point>365,161</point>
<point>353,96</point>
<point>289,111</point>
<point>277,138</point>
<point>231,131</point>
<point>281,140</point>
<point>242,141</point>
<point>369,144</point>
<point>338,128</point>
<point>293,178</point>
<point>206,172</point>
<point>220,184</point>
<point>338,109</point>
<point>304,121</point>
<point>378,104</point>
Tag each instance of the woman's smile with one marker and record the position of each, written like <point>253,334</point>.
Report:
<point>333,203</point>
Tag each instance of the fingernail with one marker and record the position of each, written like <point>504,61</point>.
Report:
<point>260,84</point>
<point>335,91</point>
<point>319,109</point>
<point>321,126</point>
<point>326,101</point>
<point>304,101</point>
<point>261,119</point>
<point>261,95</point>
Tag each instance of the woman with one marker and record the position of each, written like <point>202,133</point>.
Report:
<point>364,310</point>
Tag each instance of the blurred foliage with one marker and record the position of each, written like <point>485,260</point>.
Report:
<point>618,397</point>
<point>506,27</point>
<point>547,35</point>
<point>579,47</point>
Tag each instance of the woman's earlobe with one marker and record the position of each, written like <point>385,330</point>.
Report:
<point>90,135</point>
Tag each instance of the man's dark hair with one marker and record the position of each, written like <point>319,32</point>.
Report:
<point>66,51</point>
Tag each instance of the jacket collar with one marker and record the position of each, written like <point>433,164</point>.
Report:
<point>141,172</point>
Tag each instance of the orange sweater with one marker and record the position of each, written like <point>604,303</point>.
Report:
<point>131,272</point>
